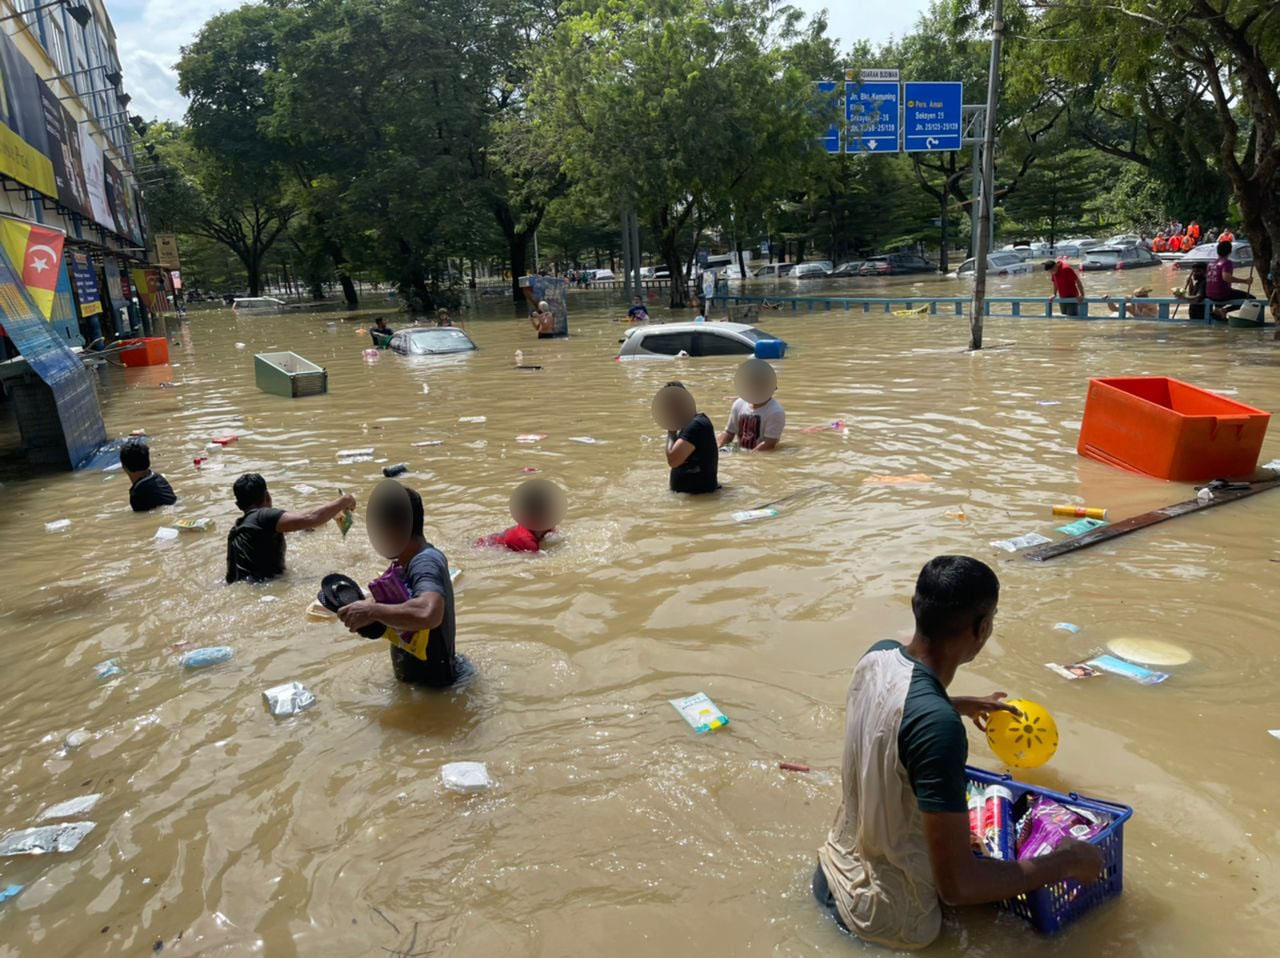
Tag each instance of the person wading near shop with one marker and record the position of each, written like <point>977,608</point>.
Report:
<point>899,846</point>
<point>255,544</point>
<point>1066,285</point>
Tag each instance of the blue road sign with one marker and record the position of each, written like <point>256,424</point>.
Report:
<point>932,116</point>
<point>871,117</point>
<point>829,93</point>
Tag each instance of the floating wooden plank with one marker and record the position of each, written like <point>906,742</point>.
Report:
<point>1122,528</point>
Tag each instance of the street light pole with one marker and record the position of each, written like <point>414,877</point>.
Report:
<point>987,198</point>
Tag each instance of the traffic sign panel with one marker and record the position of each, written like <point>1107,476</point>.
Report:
<point>871,117</point>
<point>829,94</point>
<point>932,116</point>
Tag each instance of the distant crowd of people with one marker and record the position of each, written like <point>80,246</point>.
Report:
<point>1174,238</point>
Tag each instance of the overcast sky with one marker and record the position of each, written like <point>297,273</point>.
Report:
<point>149,34</point>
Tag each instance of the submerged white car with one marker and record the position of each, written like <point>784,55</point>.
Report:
<point>999,263</point>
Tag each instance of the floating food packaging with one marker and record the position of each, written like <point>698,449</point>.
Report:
<point>288,699</point>
<point>465,777</point>
<point>1021,542</point>
<point>165,533</point>
<point>750,514</point>
<point>700,712</point>
<point>1117,666</point>
<point>193,525</point>
<point>45,839</point>
<point>1081,526</point>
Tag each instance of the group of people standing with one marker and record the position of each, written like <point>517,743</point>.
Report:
<point>1176,239</point>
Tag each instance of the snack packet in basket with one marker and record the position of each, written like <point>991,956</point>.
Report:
<point>1047,824</point>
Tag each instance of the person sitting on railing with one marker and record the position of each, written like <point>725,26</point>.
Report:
<point>1066,285</point>
<point>1218,279</point>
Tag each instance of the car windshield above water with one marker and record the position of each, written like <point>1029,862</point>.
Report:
<point>446,339</point>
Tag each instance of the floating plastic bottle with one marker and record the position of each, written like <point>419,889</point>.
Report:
<point>209,655</point>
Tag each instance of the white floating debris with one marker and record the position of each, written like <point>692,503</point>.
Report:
<point>465,777</point>
<point>473,419</point>
<point>45,839</point>
<point>269,598</point>
<point>57,525</point>
<point>1021,542</point>
<point>585,439</point>
<point>76,739</point>
<point>166,532</point>
<point>343,453</point>
<point>70,808</point>
<point>288,699</point>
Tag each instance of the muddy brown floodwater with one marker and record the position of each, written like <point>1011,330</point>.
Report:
<point>613,828</point>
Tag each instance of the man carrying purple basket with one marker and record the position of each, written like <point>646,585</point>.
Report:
<point>899,847</point>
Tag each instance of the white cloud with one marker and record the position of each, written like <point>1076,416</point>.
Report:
<point>149,37</point>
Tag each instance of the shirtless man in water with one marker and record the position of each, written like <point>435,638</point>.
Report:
<point>543,321</point>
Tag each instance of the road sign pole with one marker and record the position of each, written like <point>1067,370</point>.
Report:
<point>626,254</point>
<point>988,191</point>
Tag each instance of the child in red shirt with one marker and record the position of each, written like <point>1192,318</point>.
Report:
<point>537,505</point>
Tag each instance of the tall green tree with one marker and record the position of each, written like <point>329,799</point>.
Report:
<point>677,107</point>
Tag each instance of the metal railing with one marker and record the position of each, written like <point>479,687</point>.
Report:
<point>1166,309</point>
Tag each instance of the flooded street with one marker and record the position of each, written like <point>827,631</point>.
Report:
<point>613,828</point>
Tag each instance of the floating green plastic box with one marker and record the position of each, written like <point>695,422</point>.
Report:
<point>289,375</point>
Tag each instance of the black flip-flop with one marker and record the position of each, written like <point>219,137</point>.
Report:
<point>338,590</point>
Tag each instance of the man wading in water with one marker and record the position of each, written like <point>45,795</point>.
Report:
<point>899,846</point>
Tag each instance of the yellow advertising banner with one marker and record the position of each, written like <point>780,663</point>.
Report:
<point>21,161</point>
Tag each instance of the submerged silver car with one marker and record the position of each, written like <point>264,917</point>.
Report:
<point>699,339</point>
<point>431,341</point>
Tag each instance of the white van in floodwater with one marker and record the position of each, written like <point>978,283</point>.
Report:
<point>258,304</point>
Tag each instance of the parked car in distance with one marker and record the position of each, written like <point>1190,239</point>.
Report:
<point>848,269</point>
<point>1118,257</point>
<point>1241,255</point>
<point>774,270</point>
<point>661,274</point>
<point>732,272</point>
<point>430,341</point>
<point>999,263</point>
<point>600,275</point>
<point>695,339</point>
<point>1126,239</point>
<point>810,271</point>
<point>646,272</point>
<point>257,304</point>
<point>896,264</point>
<point>1083,243</point>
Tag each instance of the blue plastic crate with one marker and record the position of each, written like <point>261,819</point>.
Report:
<point>1052,908</point>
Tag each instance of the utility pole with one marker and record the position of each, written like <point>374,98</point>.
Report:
<point>987,199</point>
<point>626,255</point>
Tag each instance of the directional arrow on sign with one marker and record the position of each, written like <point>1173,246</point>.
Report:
<point>931,142</point>
<point>871,144</point>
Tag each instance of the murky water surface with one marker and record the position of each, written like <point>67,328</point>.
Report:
<point>613,828</point>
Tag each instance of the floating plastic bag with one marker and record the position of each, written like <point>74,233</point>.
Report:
<point>288,699</point>
<point>531,437</point>
<point>45,839</point>
<point>166,533</point>
<point>750,514</point>
<point>700,712</point>
<point>57,525</point>
<point>586,440</point>
<point>1021,542</point>
<point>1067,627</point>
<point>465,777</point>
<point>70,808</point>
<point>107,669</point>
<point>473,419</point>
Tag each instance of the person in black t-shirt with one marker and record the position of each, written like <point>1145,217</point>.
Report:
<point>147,489</point>
<point>380,332</point>
<point>255,544</point>
<point>692,451</point>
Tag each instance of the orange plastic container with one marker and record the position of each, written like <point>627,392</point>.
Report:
<point>153,351</point>
<point>1170,429</point>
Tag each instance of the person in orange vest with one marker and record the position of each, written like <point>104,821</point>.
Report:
<point>1158,245</point>
<point>1226,235</point>
<point>1194,231</point>
<point>1175,243</point>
